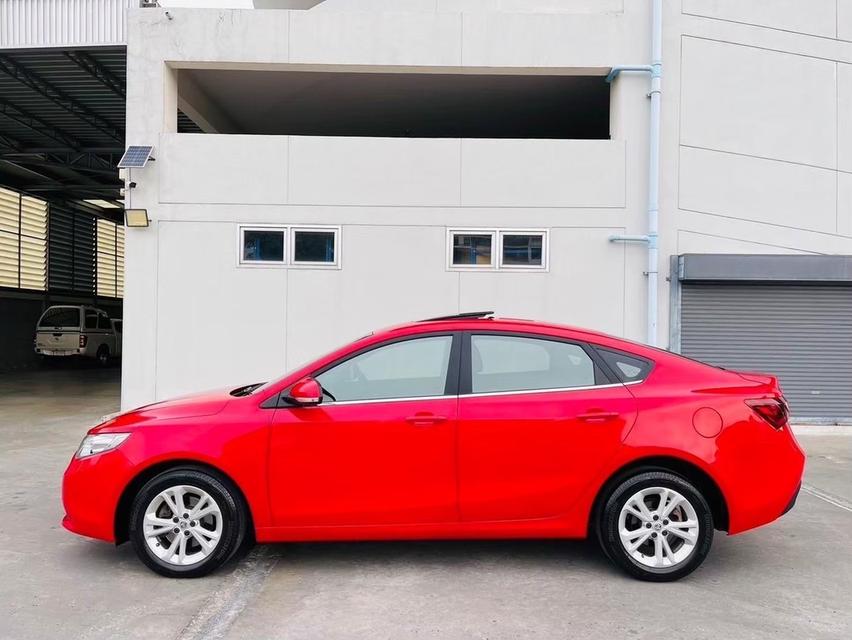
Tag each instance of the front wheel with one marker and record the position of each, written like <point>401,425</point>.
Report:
<point>185,523</point>
<point>656,526</point>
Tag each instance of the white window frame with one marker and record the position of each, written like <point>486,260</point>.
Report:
<point>288,261</point>
<point>497,234</point>
<point>302,264</point>
<point>451,233</point>
<point>545,249</point>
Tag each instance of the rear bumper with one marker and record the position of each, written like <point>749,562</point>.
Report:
<point>768,479</point>
<point>792,502</point>
<point>58,353</point>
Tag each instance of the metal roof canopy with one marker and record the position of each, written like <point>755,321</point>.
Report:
<point>62,123</point>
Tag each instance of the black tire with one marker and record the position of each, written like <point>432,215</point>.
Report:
<point>234,520</point>
<point>102,355</point>
<point>608,526</point>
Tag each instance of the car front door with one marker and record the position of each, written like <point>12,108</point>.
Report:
<point>380,448</point>
<point>537,420</point>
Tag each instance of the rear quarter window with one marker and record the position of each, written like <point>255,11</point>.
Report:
<point>627,367</point>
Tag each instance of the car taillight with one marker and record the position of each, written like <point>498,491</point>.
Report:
<point>83,341</point>
<point>772,410</point>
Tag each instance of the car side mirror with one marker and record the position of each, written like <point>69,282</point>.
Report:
<point>307,392</point>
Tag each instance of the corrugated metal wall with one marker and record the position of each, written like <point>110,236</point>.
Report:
<point>801,333</point>
<point>71,252</point>
<point>58,23</point>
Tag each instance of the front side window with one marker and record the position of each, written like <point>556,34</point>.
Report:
<point>513,363</point>
<point>409,369</point>
<point>103,322</point>
<point>262,245</point>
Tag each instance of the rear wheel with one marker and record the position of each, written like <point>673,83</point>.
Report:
<point>103,355</point>
<point>185,523</point>
<point>656,526</point>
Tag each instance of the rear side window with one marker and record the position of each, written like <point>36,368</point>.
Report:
<point>61,317</point>
<point>513,363</point>
<point>628,368</point>
<point>91,320</point>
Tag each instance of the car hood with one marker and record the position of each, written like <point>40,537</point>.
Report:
<point>191,406</point>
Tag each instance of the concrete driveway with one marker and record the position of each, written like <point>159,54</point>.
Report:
<point>789,580</point>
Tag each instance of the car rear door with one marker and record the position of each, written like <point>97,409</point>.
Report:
<point>538,419</point>
<point>380,448</point>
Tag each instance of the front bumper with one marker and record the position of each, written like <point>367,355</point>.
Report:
<point>91,490</point>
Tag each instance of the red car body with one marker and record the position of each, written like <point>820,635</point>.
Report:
<point>525,464</point>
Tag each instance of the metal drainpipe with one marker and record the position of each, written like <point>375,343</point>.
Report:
<point>656,71</point>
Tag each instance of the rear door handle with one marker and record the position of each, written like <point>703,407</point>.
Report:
<point>425,419</point>
<point>598,416</point>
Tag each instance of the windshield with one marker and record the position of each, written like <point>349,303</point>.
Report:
<point>61,317</point>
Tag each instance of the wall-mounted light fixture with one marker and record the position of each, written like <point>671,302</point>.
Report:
<point>136,217</point>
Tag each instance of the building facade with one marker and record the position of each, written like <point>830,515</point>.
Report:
<point>366,163</point>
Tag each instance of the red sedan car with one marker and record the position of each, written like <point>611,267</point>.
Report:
<point>458,427</point>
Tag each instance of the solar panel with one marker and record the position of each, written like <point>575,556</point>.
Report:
<point>135,157</point>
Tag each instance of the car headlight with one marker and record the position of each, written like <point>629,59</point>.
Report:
<point>98,443</point>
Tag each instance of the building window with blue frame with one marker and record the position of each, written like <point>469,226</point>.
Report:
<point>497,249</point>
<point>263,245</point>
<point>472,249</point>
<point>289,246</point>
<point>522,250</point>
<point>314,246</point>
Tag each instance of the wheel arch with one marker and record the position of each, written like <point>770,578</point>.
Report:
<point>121,520</point>
<point>687,470</point>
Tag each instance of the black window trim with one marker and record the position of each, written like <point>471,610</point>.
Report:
<point>451,383</point>
<point>608,378</point>
<point>613,373</point>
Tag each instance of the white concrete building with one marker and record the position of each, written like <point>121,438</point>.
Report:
<point>391,161</point>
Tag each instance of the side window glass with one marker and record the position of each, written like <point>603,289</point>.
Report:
<point>511,363</point>
<point>408,369</point>
<point>91,320</point>
<point>103,322</point>
<point>628,368</point>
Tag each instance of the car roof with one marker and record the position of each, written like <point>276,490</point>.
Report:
<point>481,320</point>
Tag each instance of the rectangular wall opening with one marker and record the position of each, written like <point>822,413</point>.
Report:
<point>413,105</point>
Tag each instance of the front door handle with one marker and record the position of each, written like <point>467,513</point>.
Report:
<point>598,416</point>
<point>425,419</point>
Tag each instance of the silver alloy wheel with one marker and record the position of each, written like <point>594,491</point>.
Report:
<point>658,528</point>
<point>182,525</point>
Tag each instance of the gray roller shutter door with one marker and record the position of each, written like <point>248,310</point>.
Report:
<point>801,333</point>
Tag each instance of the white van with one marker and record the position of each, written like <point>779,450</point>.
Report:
<point>65,330</point>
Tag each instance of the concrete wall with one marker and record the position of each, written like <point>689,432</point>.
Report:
<point>756,158</point>
<point>758,127</point>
